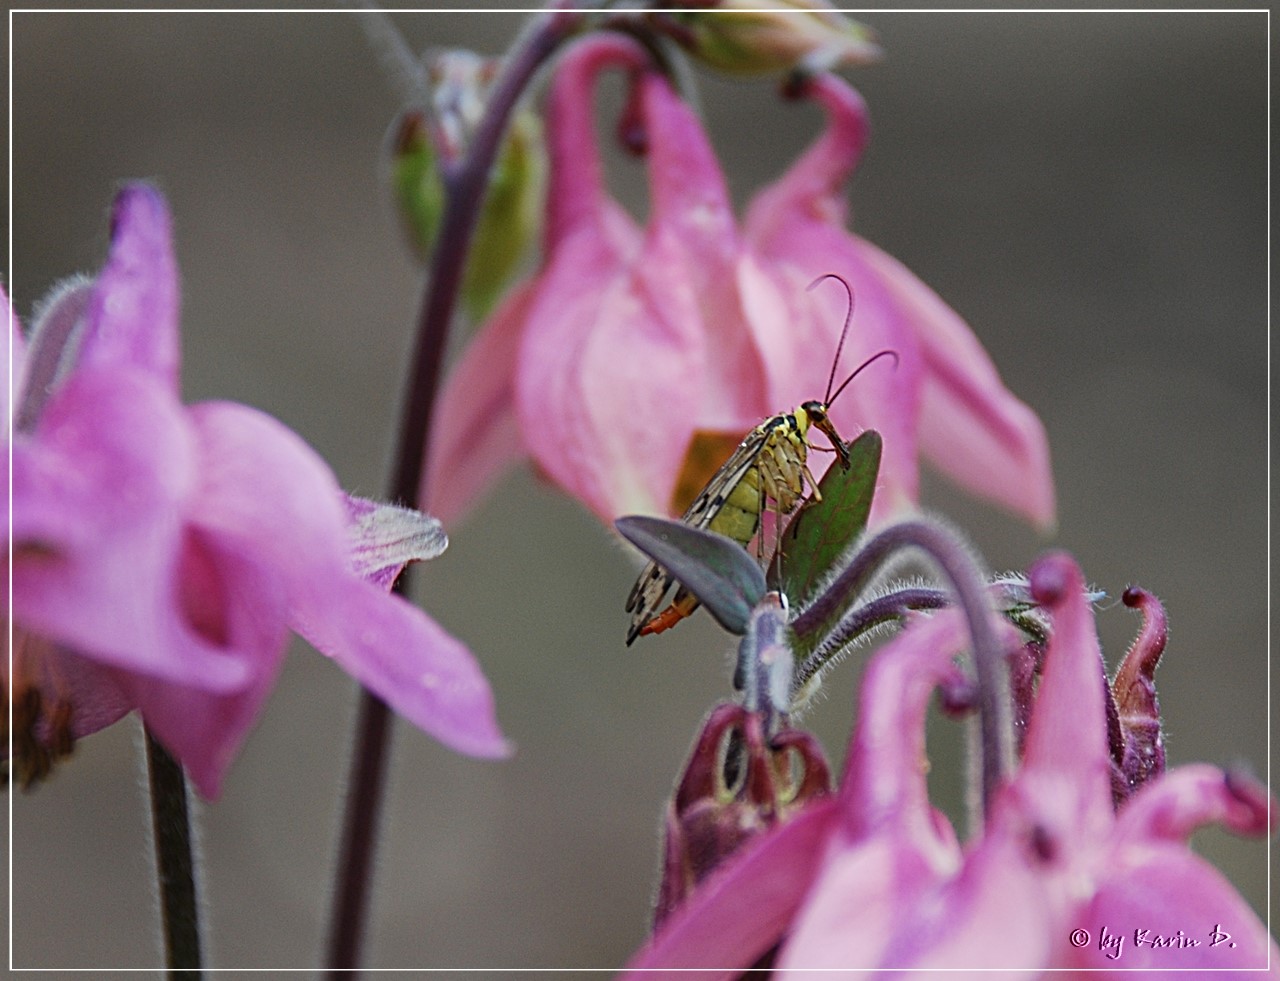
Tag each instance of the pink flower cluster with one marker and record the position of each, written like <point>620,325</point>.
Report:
<point>874,877</point>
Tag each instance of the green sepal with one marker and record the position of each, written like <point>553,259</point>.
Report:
<point>416,184</point>
<point>715,569</point>
<point>510,217</point>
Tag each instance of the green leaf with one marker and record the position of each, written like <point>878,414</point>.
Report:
<point>716,569</point>
<point>821,532</point>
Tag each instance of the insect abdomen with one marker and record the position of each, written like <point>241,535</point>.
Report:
<point>740,515</point>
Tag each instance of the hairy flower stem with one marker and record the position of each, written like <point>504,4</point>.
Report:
<point>855,623</point>
<point>971,593</point>
<point>465,182</point>
<point>175,869</point>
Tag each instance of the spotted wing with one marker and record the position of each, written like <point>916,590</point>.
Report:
<point>650,590</point>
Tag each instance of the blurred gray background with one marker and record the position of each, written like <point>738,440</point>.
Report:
<point>1087,189</point>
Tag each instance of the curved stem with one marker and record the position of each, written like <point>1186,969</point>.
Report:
<point>969,586</point>
<point>175,867</point>
<point>465,185</point>
<point>855,623</point>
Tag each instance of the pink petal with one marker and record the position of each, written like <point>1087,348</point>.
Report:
<point>891,847</point>
<point>610,361</point>
<point>972,427</point>
<point>576,195</point>
<point>206,730</point>
<point>132,317</point>
<point>693,237</point>
<point>1065,752</point>
<point>742,909</point>
<point>861,895</point>
<point>884,783</point>
<point>408,660</point>
<point>1180,802</point>
<point>383,538</point>
<point>97,495</point>
<point>268,497</point>
<point>1000,912</point>
<point>607,389</point>
<point>475,435</point>
<point>1171,893</point>
<point>690,201</point>
<point>994,916</point>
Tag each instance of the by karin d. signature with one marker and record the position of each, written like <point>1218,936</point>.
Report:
<point>1112,944</point>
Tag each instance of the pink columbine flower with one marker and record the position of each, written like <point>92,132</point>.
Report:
<point>162,552</point>
<point>633,349</point>
<point>1057,878</point>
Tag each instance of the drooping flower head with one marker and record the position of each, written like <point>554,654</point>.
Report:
<point>162,552</point>
<point>633,352</point>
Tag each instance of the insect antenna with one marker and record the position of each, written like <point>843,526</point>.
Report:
<point>879,354</point>
<point>844,332</point>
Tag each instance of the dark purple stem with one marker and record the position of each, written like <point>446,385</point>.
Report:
<point>465,184</point>
<point>970,589</point>
<point>175,864</point>
<point>855,623</point>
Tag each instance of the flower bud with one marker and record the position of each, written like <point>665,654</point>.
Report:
<point>510,219</point>
<point>737,784</point>
<point>428,141</point>
<point>750,37</point>
<point>416,183</point>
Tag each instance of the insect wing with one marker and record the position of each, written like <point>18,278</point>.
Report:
<point>711,501</point>
<point>646,597</point>
<point>651,588</point>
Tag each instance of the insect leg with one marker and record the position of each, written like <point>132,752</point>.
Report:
<point>817,495</point>
<point>762,482</point>
<point>777,532</point>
